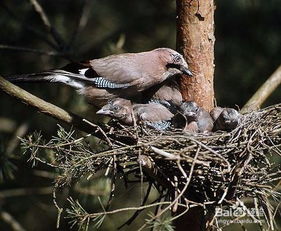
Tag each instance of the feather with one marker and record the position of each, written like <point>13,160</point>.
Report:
<point>160,126</point>
<point>101,82</point>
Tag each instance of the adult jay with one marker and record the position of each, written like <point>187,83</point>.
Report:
<point>123,75</point>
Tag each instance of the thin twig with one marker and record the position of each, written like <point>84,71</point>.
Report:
<point>38,8</point>
<point>82,21</point>
<point>29,28</point>
<point>60,210</point>
<point>93,215</point>
<point>31,50</point>
<point>188,179</point>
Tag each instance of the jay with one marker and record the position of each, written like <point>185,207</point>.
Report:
<point>225,119</point>
<point>154,115</point>
<point>198,119</point>
<point>123,75</point>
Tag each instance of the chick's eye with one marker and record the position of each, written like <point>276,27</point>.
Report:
<point>116,107</point>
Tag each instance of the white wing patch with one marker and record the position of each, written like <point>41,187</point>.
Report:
<point>68,81</point>
<point>79,81</point>
<point>83,71</point>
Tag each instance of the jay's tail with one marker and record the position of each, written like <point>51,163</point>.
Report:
<point>33,77</point>
<point>77,80</point>
<point>74,80</point>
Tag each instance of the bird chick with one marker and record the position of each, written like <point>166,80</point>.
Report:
<point>198,119</point>
<point>115,76</point>
<point>153,114</point>
<point>225,119</point>
<point>215,112</point>
<point>166,92</point>
<point>120,109</point>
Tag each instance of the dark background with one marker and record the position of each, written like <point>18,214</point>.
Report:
<point>247,51</point>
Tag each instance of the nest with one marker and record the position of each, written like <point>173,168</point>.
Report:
<point>207,170</point>
<point>213,169</point>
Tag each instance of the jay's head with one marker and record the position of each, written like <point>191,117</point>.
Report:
<point>173,59</point>
<point>230,117</point>
<point>119,108</point>
<point>190,110</point>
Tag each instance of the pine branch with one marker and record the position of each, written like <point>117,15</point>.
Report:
<point>50,109</point>
<point>263,92</point>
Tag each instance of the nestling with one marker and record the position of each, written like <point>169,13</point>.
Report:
<point>225,119</point>
<point>167,91</point>
<point>152,114</point>
<point>196,116</point>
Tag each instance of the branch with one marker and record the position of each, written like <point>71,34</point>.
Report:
<point>82,21</point>
<point>9,219</point>
<point>17,192</point>
<point>38,8</point>
<point>26,49</point>
<point>263,92</point>
<point>29,28</point>
<point>50,109</point>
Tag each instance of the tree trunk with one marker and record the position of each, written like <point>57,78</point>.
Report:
<point>195,40</point>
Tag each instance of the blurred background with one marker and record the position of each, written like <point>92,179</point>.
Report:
<point>247,51</point>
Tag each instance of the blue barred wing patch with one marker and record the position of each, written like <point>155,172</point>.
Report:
<point>101,82</point>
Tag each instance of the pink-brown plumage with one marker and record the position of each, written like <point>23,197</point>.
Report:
<point>124,75</point>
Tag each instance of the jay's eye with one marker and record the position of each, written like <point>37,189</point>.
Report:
<point>176,59</point>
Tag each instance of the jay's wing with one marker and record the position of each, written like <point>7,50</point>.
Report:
<point>140,70</point>
<point>113,72</point>
<point>160,126</point>
<point>133,69</point>
<point>85,73</point>
<point>153,115</point>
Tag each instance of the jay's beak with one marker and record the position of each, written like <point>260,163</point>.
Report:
<point>186,71</point>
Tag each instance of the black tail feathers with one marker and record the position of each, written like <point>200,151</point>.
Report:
<point>32,77</point>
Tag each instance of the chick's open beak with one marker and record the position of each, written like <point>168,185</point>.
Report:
<point>103,111</point>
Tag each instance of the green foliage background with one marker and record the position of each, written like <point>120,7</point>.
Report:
<point>247,51</point>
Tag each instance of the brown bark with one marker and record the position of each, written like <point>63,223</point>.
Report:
<point>195,40</point>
